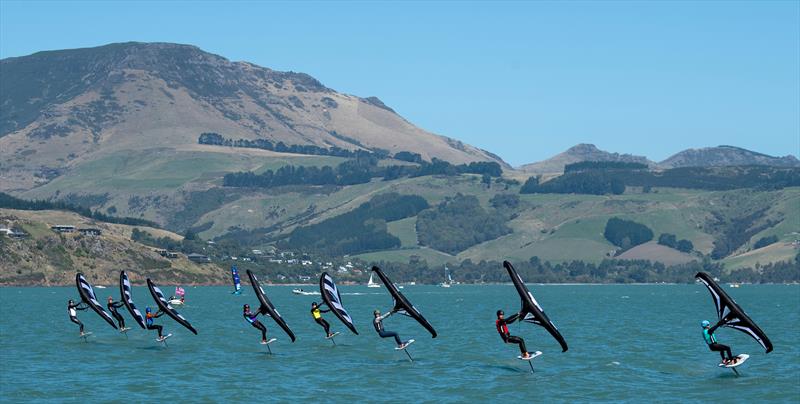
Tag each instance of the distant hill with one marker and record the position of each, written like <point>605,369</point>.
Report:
<point>726,156</point>
<point>62,109</point>
<point>581,152</point>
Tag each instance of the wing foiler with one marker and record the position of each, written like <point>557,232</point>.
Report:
<point>331,297</point>
<point>266,306</point>
<point>164,306</point>
<point>87,295</point>
<point>237,284</point>
<point>127,300</point>
<point>731,315</point>
<point>531,311</point>
<point>401,304</point>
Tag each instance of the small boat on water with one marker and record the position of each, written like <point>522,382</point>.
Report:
<point>371,283</point>
<point>448,281</point>
<point>734,285</point>
<point>304,292</point>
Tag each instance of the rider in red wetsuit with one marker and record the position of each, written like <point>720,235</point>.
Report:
<point>502,329</point>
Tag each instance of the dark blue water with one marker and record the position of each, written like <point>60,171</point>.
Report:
<point>627,343</point>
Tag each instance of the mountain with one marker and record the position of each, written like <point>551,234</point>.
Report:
<point>726,156</point>
<point>581,152</point>
<point>62,109</point>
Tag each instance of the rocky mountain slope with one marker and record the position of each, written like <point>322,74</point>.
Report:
<point>51,259</point>
<point>62,109</point>
<point>726,156</point>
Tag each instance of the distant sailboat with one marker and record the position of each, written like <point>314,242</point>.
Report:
<point>448,281</point>
<point>372,284</point>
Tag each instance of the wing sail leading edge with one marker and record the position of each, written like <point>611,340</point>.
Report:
<point>86,292</point>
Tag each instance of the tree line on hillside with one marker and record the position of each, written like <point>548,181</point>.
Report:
<point>670,240</point>
<point>355,171</point>
<point>360,230</point>
<point>11,202</point>
<point>595,178</point>
<point>458,223</point>
<point>606,271</point>
<point>211,138</point>
<point>603,165</point>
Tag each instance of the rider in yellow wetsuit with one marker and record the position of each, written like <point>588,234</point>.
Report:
<point>316,312</point>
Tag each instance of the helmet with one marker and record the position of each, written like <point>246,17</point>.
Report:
<point>376,312</point>
<point>246,306</point>
<point>313,304</point>
<point>705,323</point>
<point>70,301</point>
<point>499,313</point>
<point>147,310</point>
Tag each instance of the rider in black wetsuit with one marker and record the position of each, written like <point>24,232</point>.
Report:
<point>502,328</point>
<point>73,315</point>
<point>378,324</point>
<point>252,319</point>
<point>112,307</point>
<point>316,312</point>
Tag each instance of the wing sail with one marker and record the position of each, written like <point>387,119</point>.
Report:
<point>267,307</point>
<point>237,283</point>
<point>87,295</point>
<point>164,306</point>
<point>731,315</point>
<point>402,305</point>
<point>127,300</point>
<point>531,311</point>
<point>331,297</point>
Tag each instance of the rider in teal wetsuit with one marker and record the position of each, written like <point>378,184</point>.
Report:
<point>708,336</point>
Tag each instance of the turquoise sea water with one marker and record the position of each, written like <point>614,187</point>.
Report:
<point>627,343</point>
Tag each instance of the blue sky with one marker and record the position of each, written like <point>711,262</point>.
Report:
<point>525,80</point>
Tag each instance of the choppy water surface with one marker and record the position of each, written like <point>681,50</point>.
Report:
<point>627,342</point>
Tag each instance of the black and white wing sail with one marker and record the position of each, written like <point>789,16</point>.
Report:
<point>127,299</point>
<point>401,304</point>
<point>730,314</point>
<point>164,306</point>
<point>86,292</point>
<point>332,298</point>
<point>531,311</point>
<point>267,307</point>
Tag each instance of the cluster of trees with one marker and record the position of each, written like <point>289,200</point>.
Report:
<point>146,238</point>
<point>735,230</point>
<point>594,182</point>
<point>603,165</point>
<point>355,171</point>
<point>216,139</point>
<point>360,230</point>
<point>670,240</point>
<point>603,178</point>
<point>765,241</point>
<point>626,233</point>
<point>607,271</point>
<point>10,202</point>
<point>457,224</point>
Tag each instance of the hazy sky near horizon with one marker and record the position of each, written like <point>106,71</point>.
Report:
<point>525,80</point>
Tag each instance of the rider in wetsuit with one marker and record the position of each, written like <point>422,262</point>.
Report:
<point>112,307</point>
<point>316,312</point>
<point>708,336</point>
<point>149,321</point>
<point>502,327</point>
<point>378,324</point>
<point>251,318</point>
<point>73,314</point>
